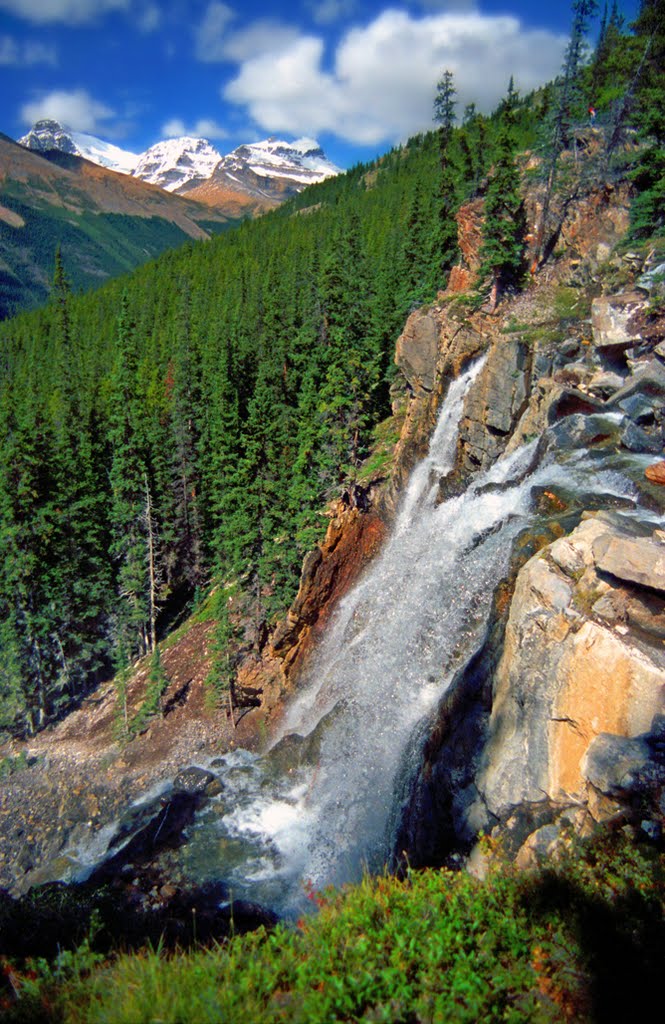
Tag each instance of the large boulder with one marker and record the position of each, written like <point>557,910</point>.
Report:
<point>568,673</point>
<point>637,560</point>
<point>610,320</point>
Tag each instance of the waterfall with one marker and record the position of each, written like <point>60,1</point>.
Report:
<point>314,810</point>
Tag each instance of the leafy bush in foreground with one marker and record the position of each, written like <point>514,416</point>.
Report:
<point>578,941</point>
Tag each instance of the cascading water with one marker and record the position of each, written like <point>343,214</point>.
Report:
<point>314,810</point>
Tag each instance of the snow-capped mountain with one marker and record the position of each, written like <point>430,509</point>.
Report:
<point>177,164</point>
<point>256,176</point>
<point>47,135</point>
<point>268,171</point>
<point>302,162</point>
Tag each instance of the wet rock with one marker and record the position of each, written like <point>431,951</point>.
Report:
<point>193,780</point>
<point>494,404</point>
<point>418,350</point>
<point>294,751</point>
<point>656,473</point>
<point>639,408</point>
<point>569,401</point>
<point>579,430</point>
<point>637,440</point>
<point>647,379</point>
<point>158,825</point>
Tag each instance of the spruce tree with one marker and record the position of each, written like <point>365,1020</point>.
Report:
<point>504,224</point>
<point>444,116</point>
<point>127,477</point>
<point>648,210</point>
<point>567,109</point>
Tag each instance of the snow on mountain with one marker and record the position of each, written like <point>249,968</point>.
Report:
<point>177,164</point>
<point>267,171</point>
<point>105,153</point>
<point>47,134</point>
<point>302,161</point>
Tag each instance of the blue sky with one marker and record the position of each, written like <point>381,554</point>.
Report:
<point>358,75</point>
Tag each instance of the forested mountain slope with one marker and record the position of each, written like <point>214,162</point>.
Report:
<point>188,424</point>
<point>213,401</point>
<point>104,223</point>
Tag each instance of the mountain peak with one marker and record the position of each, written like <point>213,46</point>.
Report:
<point>178,164</point>
<point>49,134</point>
<point>289,166</point>
<point>267,171</point>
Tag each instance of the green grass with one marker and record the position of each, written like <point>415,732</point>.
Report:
<point>12,764</point>
<point>379,462</point>
<point>574,942</point>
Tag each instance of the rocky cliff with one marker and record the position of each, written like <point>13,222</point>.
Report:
<point>557,722</point>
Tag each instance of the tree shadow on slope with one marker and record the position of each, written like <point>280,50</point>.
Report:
<point>604,951</point>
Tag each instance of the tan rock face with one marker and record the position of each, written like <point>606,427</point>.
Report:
<point>592,227</point>
<point>638,561</point>
<point>469,232</point>
<point>607,687</point>
<point>566,678</point>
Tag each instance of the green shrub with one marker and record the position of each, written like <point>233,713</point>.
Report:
<point>569,942</point>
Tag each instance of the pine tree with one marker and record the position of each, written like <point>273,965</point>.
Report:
<point>564,115</point>
<point>444,116</point>
<point>504,225</point>
<point>127,477</point>
<point>648,210</point>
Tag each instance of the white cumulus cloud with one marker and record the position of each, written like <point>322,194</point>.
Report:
<point>263,36</point>
<point>383,78</point>
<point>204,128</point>
<point>216,40</point>
<point>76,109</point>
<point>288,91</point>
<point>71,12</point>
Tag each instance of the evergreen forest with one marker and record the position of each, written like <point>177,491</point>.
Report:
<point>184,426</point>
